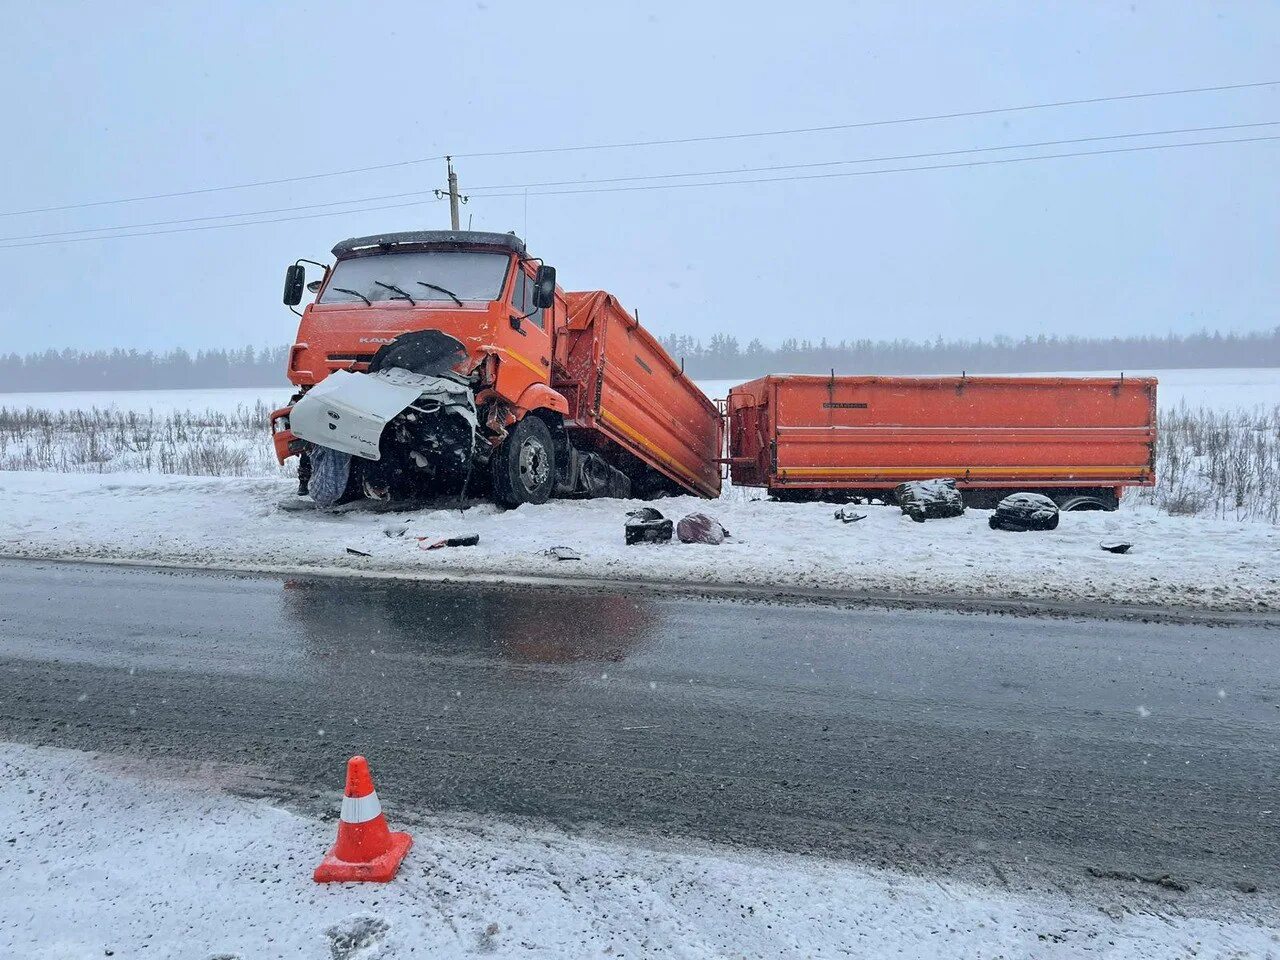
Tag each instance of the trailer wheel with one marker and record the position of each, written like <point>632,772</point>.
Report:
<point>1102,500</point>
<point>524,466</point>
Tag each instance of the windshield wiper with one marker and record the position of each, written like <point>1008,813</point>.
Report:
<point>355,293</point>
<point>392,286</point>
<point>432,286</point>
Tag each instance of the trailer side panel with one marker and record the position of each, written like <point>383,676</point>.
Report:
<point>843,433</point>
<point>625,388</point>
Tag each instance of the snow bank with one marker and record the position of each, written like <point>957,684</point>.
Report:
<point>238,523</point>
<point>104,863</point>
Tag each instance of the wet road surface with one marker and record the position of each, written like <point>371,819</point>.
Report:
<point>976,743</point>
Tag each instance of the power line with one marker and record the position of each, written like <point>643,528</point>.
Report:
<point>657,176</point>
<point>643,143</point>
<point>872,123</point>
<point>219,189</point>
<point>871,173</point>
<point>887,159</point>
<point>672,186</point>
<point>222,216</point>
<point>216,226</point>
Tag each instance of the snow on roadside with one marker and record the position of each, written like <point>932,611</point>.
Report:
<point>238,523</point>
<point>103,862</point>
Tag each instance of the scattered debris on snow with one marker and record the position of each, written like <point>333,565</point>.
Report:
<point>848,514</point>
<point>923,500</point>
<point>646,525</point>
<point>699,528</point>
<point>1203,563</point>
<point>1020,512</point>
<point>562,553</point>
<point>468,540</point>
<point>1116,546</point>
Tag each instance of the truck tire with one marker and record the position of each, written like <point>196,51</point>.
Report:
<point>1087,500</point>
<point>524,465</point>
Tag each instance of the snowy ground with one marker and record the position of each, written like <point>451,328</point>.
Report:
<point>123,491</point>
<point>105,858</point>
<point>1187,562</point>
<point>1216,389</point>
<point>224,400</point>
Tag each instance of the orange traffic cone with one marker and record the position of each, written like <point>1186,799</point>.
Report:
<point>366,848</point>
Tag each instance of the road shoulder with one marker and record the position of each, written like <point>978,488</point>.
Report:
<point>1177,565</point>
<point>131,869</point>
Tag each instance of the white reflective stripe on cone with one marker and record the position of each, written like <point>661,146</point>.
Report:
<point>361,809</point>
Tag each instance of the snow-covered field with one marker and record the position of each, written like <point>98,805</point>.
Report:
<point>105,858</point>
<point>1189,562</point>
<point>186,487</point>
<point>225,400</point>
<point>1214,389</point>
<point>1219,455</point>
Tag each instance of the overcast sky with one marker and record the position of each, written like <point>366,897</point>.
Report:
<point>105,101</point>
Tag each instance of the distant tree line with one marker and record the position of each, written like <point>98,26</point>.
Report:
<point>147,370</point>
<point>722,356</point>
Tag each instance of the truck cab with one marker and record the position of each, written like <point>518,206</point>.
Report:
<point>476,296</point>
<point>436,363</point>
<point>476,287</point>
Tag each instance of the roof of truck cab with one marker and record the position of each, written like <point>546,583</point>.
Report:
<point>360,246</point>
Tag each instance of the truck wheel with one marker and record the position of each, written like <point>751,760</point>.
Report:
<point>1087,501</point>
<point>524,466</point>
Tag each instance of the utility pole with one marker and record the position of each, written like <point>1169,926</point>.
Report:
<point>453,194</point>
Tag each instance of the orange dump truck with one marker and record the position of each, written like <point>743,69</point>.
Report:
<point>444,363</point>
<point>1079,440</point>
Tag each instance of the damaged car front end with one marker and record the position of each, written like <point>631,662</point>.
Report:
<point>405,430</point>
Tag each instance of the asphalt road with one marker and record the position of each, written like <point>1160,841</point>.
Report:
<point>977,743</point>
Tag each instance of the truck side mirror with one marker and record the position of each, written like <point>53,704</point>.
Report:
<point>294,280</point>
<point>544,288</point>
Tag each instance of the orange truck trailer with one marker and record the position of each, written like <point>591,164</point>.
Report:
<point>1078,440</point>
<point>443,363</point>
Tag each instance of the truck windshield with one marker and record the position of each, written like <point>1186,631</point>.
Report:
<point>425,275</point>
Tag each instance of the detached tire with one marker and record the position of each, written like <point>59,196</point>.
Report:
<point>523,468</point>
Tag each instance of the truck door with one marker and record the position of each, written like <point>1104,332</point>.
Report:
<point>525,346</point>
<point>536,343</point>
